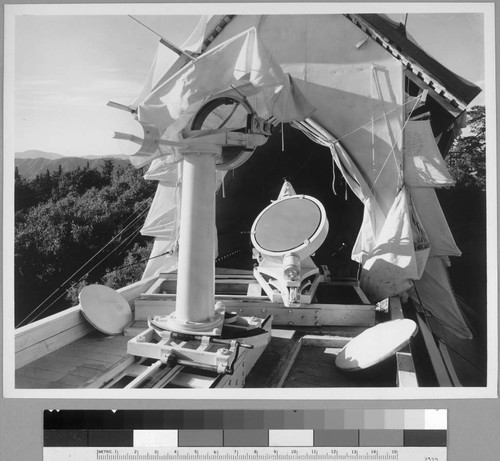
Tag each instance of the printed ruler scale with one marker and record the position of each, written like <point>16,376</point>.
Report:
<point>251,454</point>
<point>253,435</point>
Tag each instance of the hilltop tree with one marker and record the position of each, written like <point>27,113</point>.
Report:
<point>24,194</point>
<point>107,168</point>
<point>467,157</point>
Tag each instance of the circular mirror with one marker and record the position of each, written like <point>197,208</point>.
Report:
<point>293,224</point>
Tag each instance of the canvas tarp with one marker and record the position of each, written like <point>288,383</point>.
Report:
<point>434,222</point>
<point>162,217</point>
<point>423,164</point>
<point>414,230</point>
<point>241,63</point>
<point>425,170</point>
<point>165,59</point>
<point>433,291</point>
<point>357,96</point>
<point>240,57</point>
<point>396,255</point>
<point>399,253</point>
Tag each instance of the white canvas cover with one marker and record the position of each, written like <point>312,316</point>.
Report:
<point>399,253</point>
<point>434,293</point>
<point>162,223</point>
<point>434,222</point>
<point>357,97</point>
<point>423,164</point>
<point>241,62</point>
<point>165,58</point>
<point>162,219</point>
<point>425,170</point>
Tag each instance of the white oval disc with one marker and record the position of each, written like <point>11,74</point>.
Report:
<point>105,309</point>
<point>376,344</point>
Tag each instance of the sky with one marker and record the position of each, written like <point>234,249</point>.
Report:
<point>67,67</point>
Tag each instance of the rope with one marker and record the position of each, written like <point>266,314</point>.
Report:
<point>139,262</point>
<point>60,287</point>
<point>392,148</point>
<point>81,278</point>
<point>376,118</point>
<point>221,258</point>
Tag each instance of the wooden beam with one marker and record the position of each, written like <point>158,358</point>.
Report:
<point>310,315</point>
<point>280,373</point>
<point>449,364</point>
<point>215,30</point>
<point>131,292</point>
<point>144,375</point>
<point>455,111</point>
<point>406,375</point>
<point>48,327</point>
<point>254,290</point>
<point>437,361</point>
<point>155,287</point>
<point>411,67</point>
<point>395,308</point>
<point>110,375</point>
<point>52,343</point>
<point>51,333</point>
<point>361,294</point>
<point>325,341</point>
<point>136,328</point>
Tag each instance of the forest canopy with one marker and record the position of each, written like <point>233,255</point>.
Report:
<point>64,218</point>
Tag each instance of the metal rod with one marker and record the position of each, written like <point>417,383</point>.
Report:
<point>116,105</point>
<point>128,137</point>
<point>164,41</point>
<point>225,342</point>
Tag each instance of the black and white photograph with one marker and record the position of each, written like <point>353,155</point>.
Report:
<point>283,201</point>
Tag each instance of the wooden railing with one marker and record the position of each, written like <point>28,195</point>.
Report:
<point>51,333</point>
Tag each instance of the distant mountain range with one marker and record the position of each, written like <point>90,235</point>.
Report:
<point>34,162</point>
<point>31,154</point>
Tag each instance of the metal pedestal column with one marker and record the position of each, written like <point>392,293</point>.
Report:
<point>195,310</point>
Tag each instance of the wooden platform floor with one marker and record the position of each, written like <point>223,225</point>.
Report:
<point>315,367</point>
<point>287,363</point>
<point>73,365</point>
<point>284,363</point>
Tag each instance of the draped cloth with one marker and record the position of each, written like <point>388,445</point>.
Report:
<point>391,164</point>
<point>170,101</point>
<point>410,251</point>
